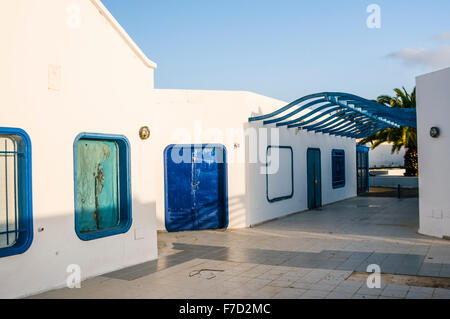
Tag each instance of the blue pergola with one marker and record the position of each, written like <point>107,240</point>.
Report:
<point>340,114</point>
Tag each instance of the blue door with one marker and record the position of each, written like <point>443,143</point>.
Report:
<point>314,178</point>
<point>195,187</point>
<point>362,169</point>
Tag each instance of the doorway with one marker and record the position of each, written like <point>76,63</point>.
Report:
<point>362,169</point>
<point>314,178</point>
<point>195,187</point>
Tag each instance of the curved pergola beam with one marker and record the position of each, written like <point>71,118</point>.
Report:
<point>298,124</point>
<point>301,118</point>
<point>345,115</point>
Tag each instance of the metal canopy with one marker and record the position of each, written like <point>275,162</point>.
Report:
<point>340,114</point>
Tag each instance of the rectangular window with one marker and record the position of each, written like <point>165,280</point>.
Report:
<point>16,221</point>
<point>338,168</point>
<point>102,186</point>
<point>279,173</point>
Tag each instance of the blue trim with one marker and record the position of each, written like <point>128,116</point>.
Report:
<point>304,107</point>
<point>225,171</point>
<point>315,118</point>
<point>25,213</point>
<point>335,155</point>
<point>362,148</point>
<point>125,208</point>
<point>278,199</point>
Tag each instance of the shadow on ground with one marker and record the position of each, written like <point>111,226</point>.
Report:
<point>392,192</point>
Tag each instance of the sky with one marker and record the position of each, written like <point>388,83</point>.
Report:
<point>288,48</point>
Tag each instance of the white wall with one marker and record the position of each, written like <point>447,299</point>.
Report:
<point>261,210</point>
<point>104,88</point>
<point>58,81</point>
<point>207,117</point>
<point>433,109</point>
<point>382,157</point>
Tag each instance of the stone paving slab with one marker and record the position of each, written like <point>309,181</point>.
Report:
<point>303,256</point>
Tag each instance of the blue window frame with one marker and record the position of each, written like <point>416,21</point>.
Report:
<point>338,168</point>
<point>16,208</point>
<point>276,194</point>
<point>102,185</point>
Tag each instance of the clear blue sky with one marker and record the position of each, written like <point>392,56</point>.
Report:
<point>288,48</point>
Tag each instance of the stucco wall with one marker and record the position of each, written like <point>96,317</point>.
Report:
<point>206,117</point>
<point>382,157</point>
<point>104,88</point>
<point>58,81</point>
<point>433,109</point>
<point>262,210</point>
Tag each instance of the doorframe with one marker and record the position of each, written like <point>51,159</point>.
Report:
<point>225,180</point>
<point>365,151</point>
<point>320,173</point>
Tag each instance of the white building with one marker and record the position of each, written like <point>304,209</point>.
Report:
<point>382,157</point>
<point>433,113</point>
<point>80,92</point>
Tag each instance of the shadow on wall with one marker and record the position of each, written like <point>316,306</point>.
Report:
<point>147,210</point>
<point>236,211</point>
<point>56,246</point>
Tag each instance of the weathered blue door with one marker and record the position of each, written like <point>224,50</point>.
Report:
<point>314,178</point>
<point>195,190</point>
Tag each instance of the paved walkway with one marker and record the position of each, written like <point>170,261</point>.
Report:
<point>307,255</point>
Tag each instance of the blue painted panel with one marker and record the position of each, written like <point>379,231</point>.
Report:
<point>178,191</point>
<point>195,188</point>
<point>97,185</point>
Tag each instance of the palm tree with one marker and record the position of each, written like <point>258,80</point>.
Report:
<point>399,137</point>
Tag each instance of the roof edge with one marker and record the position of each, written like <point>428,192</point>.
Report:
<point>446,69</point>
<point>123,34</point>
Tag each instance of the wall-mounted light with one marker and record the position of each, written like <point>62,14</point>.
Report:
<point>435,132</point>
<point>144,133</point>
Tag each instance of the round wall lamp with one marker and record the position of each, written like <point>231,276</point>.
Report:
<point>435,132</point>
<point>144,133</point>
